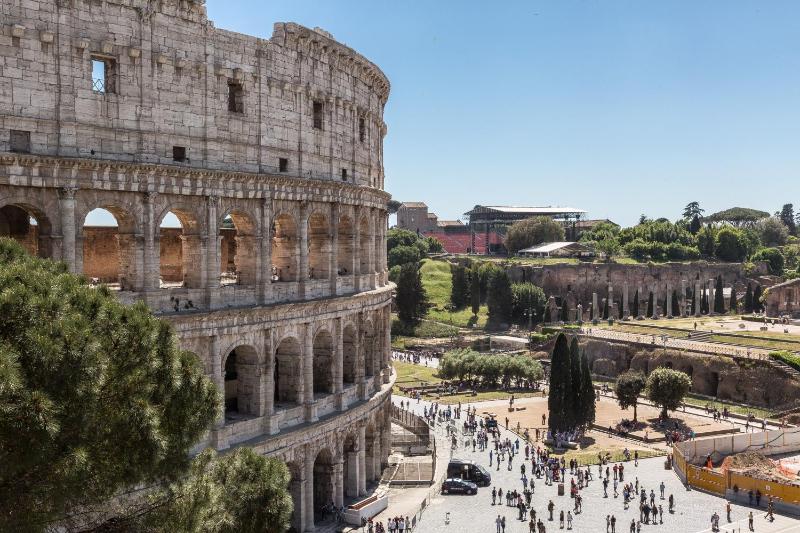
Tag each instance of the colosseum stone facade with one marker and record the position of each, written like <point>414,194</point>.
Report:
<point>269,153</point>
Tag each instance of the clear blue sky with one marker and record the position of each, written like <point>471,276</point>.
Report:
<point>616,107</point>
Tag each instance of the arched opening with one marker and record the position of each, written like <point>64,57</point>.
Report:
<point>237,250</point>
<point>344,253</point>
<point>713,384</point>
<point>323,363</point>
<point>28,226</point>
<point>323,483</point>
<point>319,246</point>
<point>349,355</point>
<point>179,250</point>
<point>284,249</point>
<point>295,491</point>
<point>689,370</point>
<point>368,348</point>
<point>287,373</point>
<point>350,466</point>
<point>241,383</point>
<point>109,248</point>
<point>364,246</point>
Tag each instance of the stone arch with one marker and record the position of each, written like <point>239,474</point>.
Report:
<point>323,363</point>
<point>319,246</point>
<point>349,354</point>
<point>242,384</point>
<point>296,492</point>
<point>180,250</point>
<point>345,246</point>
<point>285,246</point>
<point>27,224</point>
<point>368,341</point>
<point>110,253</point>
<point>364,245</point>
<point>238,230</point>
<point>287,372</point>
<point>323,482</point>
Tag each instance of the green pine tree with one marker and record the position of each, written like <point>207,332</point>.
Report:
<point>757,306</point>
<point>574,401</point>
<point>459,292</point>
<point>664,304</point>
<point>676,305</point>
<point>719,297</point>
<point>605,309</point>
<point>564,310</point>
<point>635,308</point>
<point>475,289</point>
<point>621,308</point>
<point>500,300</point>
<point>560,386</point>
<point>650,305</point>
<point>411,299</point>
<point>734,303</point>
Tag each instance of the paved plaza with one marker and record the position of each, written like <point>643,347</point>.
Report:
<point>693,509</point>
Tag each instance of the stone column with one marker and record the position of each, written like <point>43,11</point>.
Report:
<point>152,264</point>
<point>302,272</point>
<point>594,306</point>
<point>698,298</point>
<point>387,344</point>
<point>655,301</point>
<point>352,474</point>
<point>308,494</point>
<point>682,299</point>
<point>338,482</point>
<point>357,251</point>
<point>373,269</point>
<point>308,373</point>
<point>338,363</point>
<point>668,299</point>
<point>611,307</point>
<point>269,386</point>
<point>214,239</point>
<point>711,295</point>
<point>66,206</point>
<point>264,292</point>
<point>333,268</point>
<point>639,303</point>
<point>625,310</point>
<point>362,447</point>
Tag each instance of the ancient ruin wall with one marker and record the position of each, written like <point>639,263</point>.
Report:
<point>585,278</point>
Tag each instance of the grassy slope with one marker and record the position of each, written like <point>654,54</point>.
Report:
<point>438,282</point>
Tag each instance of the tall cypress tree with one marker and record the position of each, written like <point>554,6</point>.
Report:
<point>459,292</point>
<point>635,309</point>
<point>650,305</point>
<point>748,299</point>
<point>719,297</point>
<point>574,400</point>
<point>676,311</point>
<point>605,309</point>
<point>757,299</point>
<point>621,309</point>
<point>664,303</point>
<point>734,302</point>
<point>564,310</point>
<point>560,385</point>
<point>475,288</point>
<point>587,410</point>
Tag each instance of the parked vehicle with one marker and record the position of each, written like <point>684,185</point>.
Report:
<point>469,471</point>
<point>459,486</point>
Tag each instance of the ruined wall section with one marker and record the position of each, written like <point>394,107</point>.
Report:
<point>172,76</point>
<point>585,278</point>
<point>727,378</point>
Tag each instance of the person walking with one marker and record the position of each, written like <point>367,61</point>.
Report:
<point>750,521</point>
<point>561,519</point>
<point>662,487</point>
<point>550,508</point>
<point>569,520</point>
<point>613,524</point>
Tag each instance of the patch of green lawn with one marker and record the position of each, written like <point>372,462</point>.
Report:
<point>438,282</point>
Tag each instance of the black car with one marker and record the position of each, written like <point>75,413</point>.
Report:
<point>459,486</point>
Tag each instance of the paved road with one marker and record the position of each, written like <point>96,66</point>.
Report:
<point>461,514</point>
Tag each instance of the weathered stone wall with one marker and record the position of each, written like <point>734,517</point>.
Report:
<point>171,77</point>
<point>738,379</point>
<point>585,278</point>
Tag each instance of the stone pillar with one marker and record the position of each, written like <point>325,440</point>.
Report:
<point>362,480</point>
<point>308,373</point>
<point>302,273</point>
<point>357,251</point>
<point>352,475</point>
<point>338,363</point>
<point>66,206</point>
<point>338,482</point>
<point>625,310</point>
<point>265,282</point>
<point>611,307</point>
<point>669,311</point>
<point>308,493</point>
<point>655,302</point>
<point>594,306</point>
<point>212,253</point>
<point>682,299</point>
<point>698,298</point>
<point>269,383</point>
<point>152,263</point>
<point>373,268</point>
<point>387,344</point>
<point>333,268</point>
<point>711,295</point>
<point>642,311</point>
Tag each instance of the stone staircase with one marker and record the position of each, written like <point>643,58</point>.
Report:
<point>701,336</point>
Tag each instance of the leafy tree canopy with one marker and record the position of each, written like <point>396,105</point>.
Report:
<point>628,387</point>
<point>667,388</point>
<point>527,233</point>
<point>737,216</point>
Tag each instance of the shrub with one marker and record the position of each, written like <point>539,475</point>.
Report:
<point>400,255</point>
<point>526,233</point>
<point>773,257</point>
